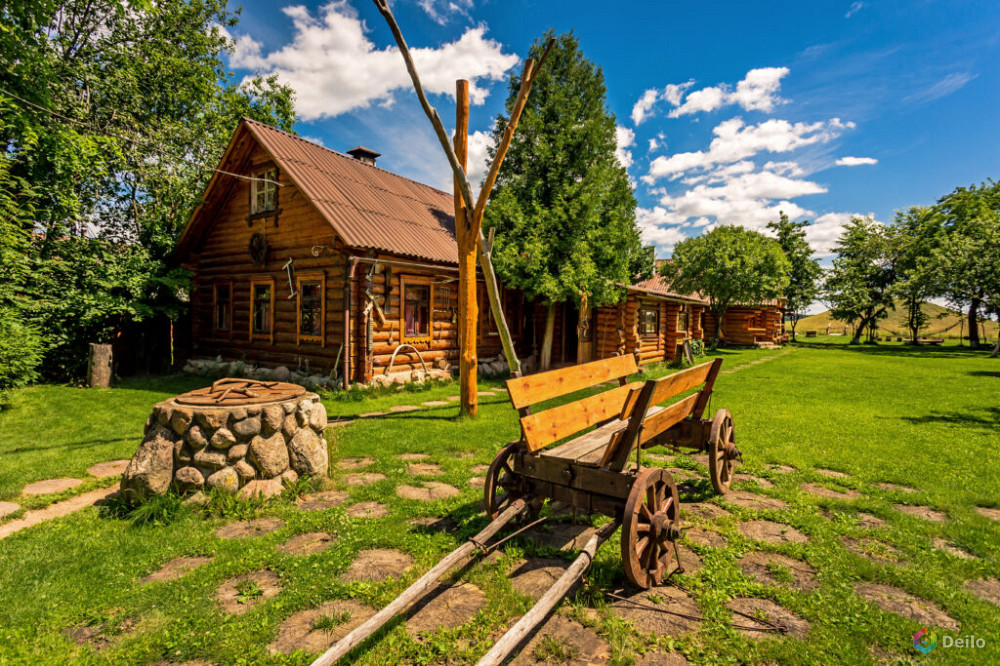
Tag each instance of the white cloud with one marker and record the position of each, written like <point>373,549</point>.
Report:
<point>334,68</point>
<point>706,99</point>
<point>822,234</point>
<point>856,161</point>
<point>479,143</point>
<point>625,138</point>
<point>758,91</point>
<point>659,227</point>
<point>942,88</point>
<point>653,144</point>
<point>854,9</point>
<point>440,11</point>
<point>644,105</point>
<point>735,141</point>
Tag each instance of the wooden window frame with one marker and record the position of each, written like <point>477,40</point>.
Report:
<point>655,309</point>
<point>216,331</point>
<point>405,280</point>
<point>269,337</point>
<point>261,172</point>
<point>310,277</point>
<point>684,313</point>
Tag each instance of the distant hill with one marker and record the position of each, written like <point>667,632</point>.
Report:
<point>943,323</point>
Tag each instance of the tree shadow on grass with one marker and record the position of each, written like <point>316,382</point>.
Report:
<point>990,420</point>
<point>69,445</point>
<point>985,373</point>
<point>912,351</point>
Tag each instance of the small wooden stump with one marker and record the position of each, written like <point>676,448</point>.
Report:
<point>99,366</point>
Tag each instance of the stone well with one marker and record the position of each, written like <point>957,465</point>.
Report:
<point>236,434</point>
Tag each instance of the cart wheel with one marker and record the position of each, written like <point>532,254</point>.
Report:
<point>722,451</point>
<point>650,524</point>
<point>503,486</point>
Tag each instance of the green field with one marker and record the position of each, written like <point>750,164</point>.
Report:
<point>942,322</point>
<point>925,418</point>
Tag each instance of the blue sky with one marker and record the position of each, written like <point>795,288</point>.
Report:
<point>727,111</point>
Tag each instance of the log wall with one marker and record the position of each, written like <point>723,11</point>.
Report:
<point>746,326</point>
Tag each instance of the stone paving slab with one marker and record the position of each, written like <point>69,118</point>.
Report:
<point>110,468</point>
<point>7,508</point>
<point>50,486</point>
<point>57,510</point>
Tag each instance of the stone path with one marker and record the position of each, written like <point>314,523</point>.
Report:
<point>702,537</point>
<point>750,478</point>
<point>409,457</point>
<point>752,501</point>
<point>988,511</point>
<point>57,510</point>
<point>755,362</point>
<point>778,570</point>
<point>431,491</point>
<point>873,549</point>
<point>987,589</point>
<point>367,510</point>
<point>894,600</point>
<point>50,486</point>
<point>829,493</point>
<point>363,478</point>
<point>238,595</point>
<point>105,469</point>
<point>635,608</point>
<point>702,510</point>
<point>324,500</point>
<point>7,508</point>
<point>953,549</point>
<point>896,488</point>
<point>536,576</point>
<point>376,565</point>
<point>449,607</point>
<point>176,568</point>
<point>249,528</point>
<point>766,530</point>
<point>831,473</point>
<point>424,469</point>
<point>766,609</point>
<point>560,640</point>
<point>307,544</point>
<point>314,630</point>
<point>354,463</point>
<point>924,512</point>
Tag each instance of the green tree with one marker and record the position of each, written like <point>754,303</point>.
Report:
<point>804,271</point>
<point>114,115</point>
<point>729,265</point>
<point>915,235</point>
<point>563,207</point>
<point>859,287</point>
<point>969,217</point>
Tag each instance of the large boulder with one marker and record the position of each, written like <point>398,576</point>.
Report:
<point>269,454</point>
<point>308,453</point>
<point>151,468</point>
<point>317,417</point>
<point>271,419</point>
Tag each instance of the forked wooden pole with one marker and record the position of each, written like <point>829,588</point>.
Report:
<point>509,642</point>
<point>419,588</point>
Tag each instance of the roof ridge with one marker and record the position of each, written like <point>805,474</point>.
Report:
<point>340,154</point>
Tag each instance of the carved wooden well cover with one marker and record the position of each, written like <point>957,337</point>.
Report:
<point>232,391</point>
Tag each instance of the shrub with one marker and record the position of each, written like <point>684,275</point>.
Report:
<point>21,352</point>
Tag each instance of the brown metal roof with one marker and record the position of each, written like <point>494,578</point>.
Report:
<point>657,286</point>
<point>369,208</point>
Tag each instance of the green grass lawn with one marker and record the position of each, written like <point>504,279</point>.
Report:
<point>924,418</point>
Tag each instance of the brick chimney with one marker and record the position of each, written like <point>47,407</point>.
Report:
<point>366,155</point>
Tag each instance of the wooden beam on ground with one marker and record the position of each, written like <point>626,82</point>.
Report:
<point>520,631</point>
<point>418,589</point>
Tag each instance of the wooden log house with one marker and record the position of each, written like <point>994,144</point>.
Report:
<point>311,257</point>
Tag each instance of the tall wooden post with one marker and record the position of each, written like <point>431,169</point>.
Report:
<point>468,242</point>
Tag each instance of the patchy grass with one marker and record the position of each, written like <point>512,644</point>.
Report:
<point>924,418</point>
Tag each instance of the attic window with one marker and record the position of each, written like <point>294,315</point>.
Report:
<point>264,191</point>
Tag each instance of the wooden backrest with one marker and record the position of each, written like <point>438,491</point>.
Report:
<point>549,426</point>
<point>533,389</point>
<point>653,392</point>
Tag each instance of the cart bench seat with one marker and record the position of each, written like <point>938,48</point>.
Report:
<point>588,449</point>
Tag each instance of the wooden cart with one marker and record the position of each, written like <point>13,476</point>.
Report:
<point>601,470</point>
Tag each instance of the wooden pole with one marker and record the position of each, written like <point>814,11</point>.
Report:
<point>516,635</point>
<point>418,589</point>
<point>468,306</point>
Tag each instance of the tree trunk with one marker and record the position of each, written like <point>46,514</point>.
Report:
<point>468,307</point>
<point>795,322</point>
<point>550,330</point>
<point>974,323</point>
<point>99,366</point>
<point>996,347</point>
<point>859,331</point>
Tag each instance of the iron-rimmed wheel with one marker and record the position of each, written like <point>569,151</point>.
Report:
<point>722,451</point>
<point>503,486</point>
<point>650,524</point>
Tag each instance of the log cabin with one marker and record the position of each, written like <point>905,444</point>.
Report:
<point>304,256</point>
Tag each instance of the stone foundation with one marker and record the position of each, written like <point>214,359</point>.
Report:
<point>251,449</point>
